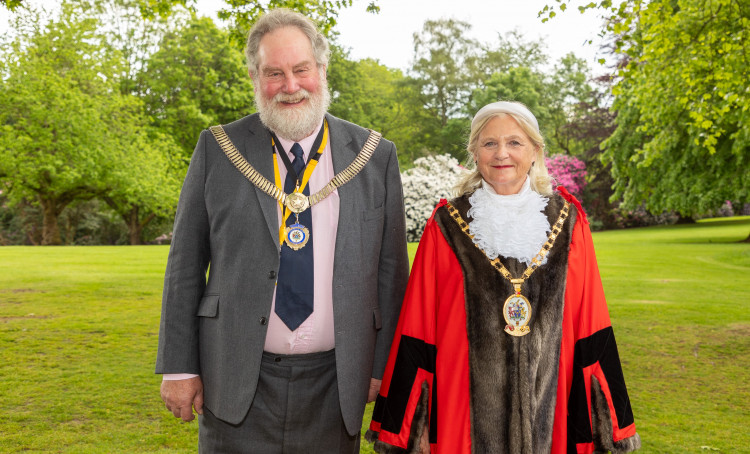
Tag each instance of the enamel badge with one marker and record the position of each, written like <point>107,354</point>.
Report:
<point>517,313</point>
<point>297,236</point>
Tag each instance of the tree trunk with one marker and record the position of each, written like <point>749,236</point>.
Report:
<point>50,228</point>
<point>135,235</point>
<point>685,219</point>
<point>136,226</point>
<point>135,230</point>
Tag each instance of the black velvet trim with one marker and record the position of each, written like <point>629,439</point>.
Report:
<point>413,354</point>
<point>599,347</point>
<point>419,423</point>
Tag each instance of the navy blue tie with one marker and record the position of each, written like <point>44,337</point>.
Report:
<point>294,287</point>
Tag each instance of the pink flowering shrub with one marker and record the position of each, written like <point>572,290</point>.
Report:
<point>569,172</point>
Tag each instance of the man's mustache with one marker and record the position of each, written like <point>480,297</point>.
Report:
<point>292,97</point>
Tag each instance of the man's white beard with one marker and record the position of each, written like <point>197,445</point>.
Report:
<point>295,123</point>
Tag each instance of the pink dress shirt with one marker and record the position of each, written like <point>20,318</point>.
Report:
<point>316,334</point>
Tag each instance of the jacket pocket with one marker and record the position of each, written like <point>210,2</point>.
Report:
<point>376,318</point>
<point>209,306</point>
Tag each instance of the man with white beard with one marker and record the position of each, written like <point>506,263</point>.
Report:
<point>300,217</point>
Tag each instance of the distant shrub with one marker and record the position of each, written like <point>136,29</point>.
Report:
<point>430,180</point>
<point>569,172</point>
<point>639,217</point>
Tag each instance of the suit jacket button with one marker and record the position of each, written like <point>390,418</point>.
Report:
<point>263,320</point>
<point>272,275</point>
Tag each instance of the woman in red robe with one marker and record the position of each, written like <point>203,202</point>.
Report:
<point>504,344</point>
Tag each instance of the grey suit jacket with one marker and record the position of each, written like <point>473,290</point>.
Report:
<point>216,327</point>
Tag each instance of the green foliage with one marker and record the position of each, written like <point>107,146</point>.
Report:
<point>682,141</point>
<point>195,79</point>
<point>510,50</point>
<point>687,93</point>
<point>69,134</point>
<point>146,181</point>
<point>60,101</point>
<point>456,76</point>
<point>86,320</point>
<point>516,84</point>
<point>11,4</point>
<point>374,96</point>
<point>551,95</point>
<point>243,13</point>
<point>151,9</point>
<point>122,21</point>
<point>443,57</point>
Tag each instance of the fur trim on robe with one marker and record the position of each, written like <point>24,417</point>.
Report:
<point>513,379</point>
<point>558,388</point>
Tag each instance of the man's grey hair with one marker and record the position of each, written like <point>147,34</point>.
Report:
<point>280,18</point>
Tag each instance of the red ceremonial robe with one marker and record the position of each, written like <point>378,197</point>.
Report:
<point>428,381</point>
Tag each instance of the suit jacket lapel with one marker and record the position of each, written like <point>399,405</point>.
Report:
<point>343,152</point>
<point>257,151</point>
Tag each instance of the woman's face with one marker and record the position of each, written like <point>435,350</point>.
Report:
<point>504,154</point>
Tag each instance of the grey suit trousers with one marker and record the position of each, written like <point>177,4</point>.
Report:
<point>295,410</point>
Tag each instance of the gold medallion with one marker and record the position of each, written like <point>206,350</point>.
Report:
<point>517,309</point>
<point>297,202</point>
<point>517,313</point>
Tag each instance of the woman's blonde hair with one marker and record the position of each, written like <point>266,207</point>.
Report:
<point>539,177</point>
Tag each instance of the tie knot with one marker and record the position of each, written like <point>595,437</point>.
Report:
<point>297,152</point>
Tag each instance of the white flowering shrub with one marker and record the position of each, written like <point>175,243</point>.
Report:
<point>430,180</point>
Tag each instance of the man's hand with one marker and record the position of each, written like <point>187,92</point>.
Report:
<point>180,396</point>
<point>374,389</point>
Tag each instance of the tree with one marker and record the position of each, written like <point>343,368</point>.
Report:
<point>372,95</point>
<point>67,130</point>
<point>127,31</point>
<point>243,13</point>
<point>520,84</point>
<point>195,79</point>
<point>146,182</point>
<point>59,101</point>
<point>566,90</point>
<point>456,76</point>
<point>444,74</point>
<point>511,49</point>
<point>682,140</point>
<point>443,58</point>
<point>591,123</point>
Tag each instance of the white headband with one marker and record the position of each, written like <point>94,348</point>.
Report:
<point>506,107</point>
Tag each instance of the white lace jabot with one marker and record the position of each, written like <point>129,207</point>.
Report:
<point>509,225</point>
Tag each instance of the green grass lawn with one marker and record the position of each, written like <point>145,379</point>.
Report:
<point>79,325</point>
